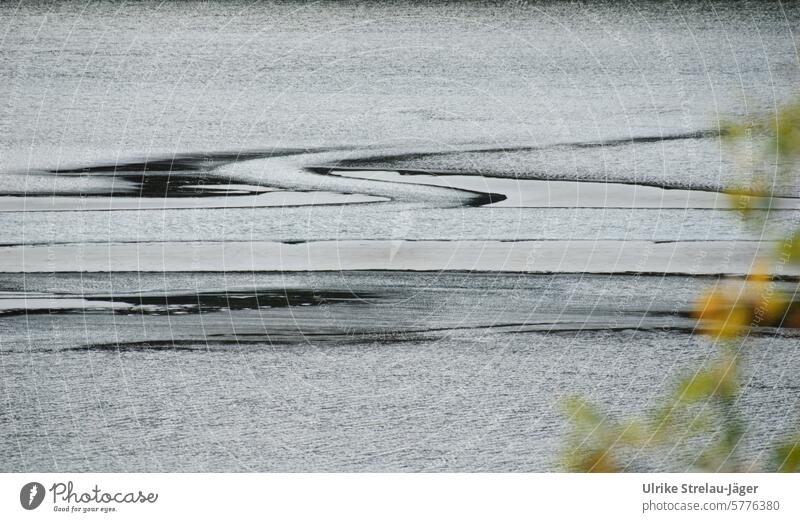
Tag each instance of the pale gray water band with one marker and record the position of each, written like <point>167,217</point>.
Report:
<point>145,139</point>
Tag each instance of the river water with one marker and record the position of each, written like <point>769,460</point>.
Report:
<point>361,237</point>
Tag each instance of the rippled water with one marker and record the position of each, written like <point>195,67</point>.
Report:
<point>144,147</point>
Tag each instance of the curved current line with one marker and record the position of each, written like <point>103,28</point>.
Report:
<point>310,169</point>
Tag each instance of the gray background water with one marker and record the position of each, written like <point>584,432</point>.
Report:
<point>433,371</point>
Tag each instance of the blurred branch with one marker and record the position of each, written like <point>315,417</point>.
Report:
<point>703,407</point>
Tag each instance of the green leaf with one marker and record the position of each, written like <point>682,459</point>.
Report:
<point>786,456</point>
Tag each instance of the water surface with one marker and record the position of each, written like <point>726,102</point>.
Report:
<point>359,237</point>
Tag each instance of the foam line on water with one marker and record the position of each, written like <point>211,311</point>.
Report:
<point>278,198</point>
<point>522,193</point>
<point>603,256</point>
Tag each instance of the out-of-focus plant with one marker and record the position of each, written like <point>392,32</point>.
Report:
<point>702,407</point>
